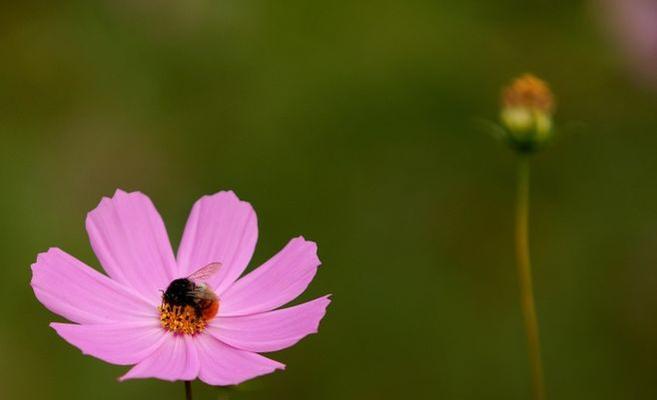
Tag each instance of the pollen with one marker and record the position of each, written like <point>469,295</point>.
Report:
<point>528,91</point>
<point>181,319</point>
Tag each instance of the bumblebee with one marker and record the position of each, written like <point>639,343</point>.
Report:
<point>194,292</point>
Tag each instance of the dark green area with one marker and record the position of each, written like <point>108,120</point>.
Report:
<point>354,124</point>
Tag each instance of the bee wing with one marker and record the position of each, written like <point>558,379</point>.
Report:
<point>203,274</point>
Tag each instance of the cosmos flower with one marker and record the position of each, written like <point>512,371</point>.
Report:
<point>126,317</point>
<point>633,25</point>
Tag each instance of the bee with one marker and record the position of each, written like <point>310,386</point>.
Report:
<point>194,292</point>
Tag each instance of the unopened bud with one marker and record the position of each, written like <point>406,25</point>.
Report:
<point>527,107</point>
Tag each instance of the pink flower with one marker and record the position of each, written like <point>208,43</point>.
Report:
<point>121,318</point>
<point>634,25</point>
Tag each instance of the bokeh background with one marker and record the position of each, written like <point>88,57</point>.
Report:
<point>354,124</point>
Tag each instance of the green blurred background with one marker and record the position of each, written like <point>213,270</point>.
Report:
<point>352,123</point>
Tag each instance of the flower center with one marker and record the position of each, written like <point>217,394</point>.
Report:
<point>528,92</point>
<point>181,319</point>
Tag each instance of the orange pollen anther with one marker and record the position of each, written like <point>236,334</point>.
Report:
<point>181,319</point>
<point>528,91</point>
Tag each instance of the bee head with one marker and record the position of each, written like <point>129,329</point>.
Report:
<point>178,291</point>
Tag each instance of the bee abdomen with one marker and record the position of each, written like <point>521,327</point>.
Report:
<point>210,311</point>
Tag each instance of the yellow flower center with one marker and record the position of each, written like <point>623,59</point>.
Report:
<point>181,319</point>
<point>528,92</point>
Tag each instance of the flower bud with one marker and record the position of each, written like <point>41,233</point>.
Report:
<point>527,106</point>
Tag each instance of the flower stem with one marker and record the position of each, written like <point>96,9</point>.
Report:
<point>525,278</point>
<point>188,390</point>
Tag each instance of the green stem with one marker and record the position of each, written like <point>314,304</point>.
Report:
<point>525,278</point>
<point>188,390</point>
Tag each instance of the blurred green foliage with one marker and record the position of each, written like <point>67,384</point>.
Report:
<point>350,122</point>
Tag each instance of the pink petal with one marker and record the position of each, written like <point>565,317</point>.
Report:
<point>175,360</point>
<point>223,365</point>
<point>68,287</point>
<point>129,238</point>
<point>278,281</point>
<point>270,331</point>
<point>223,229</point>
<point>117,343</point>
